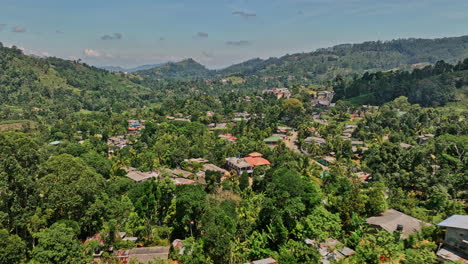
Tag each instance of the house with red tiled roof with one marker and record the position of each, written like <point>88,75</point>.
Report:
<point>247,164</point>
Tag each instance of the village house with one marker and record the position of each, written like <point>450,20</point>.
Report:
<point>316,140</point>
<point>284,129</point>
<point>364,176</point>
<point>142,255</point>
<point>117,141</point>
<point>200,176</point>
<point>247,164</point>
<point>239,165</point>
<point>323,98</point>
<point>423,138</point>
<point>140,176</point>
<point>279,92</point>
<point>182,181</point>
<point>217,125</point>
<point>273,140</point>
<point>263,261</point>
<point>197,160</point>
<point>455,243</point>
<point>404,145</point>
<point>228,137</point>
<point>331,250</point>
<point>393,220</point>
<point>241,116</point>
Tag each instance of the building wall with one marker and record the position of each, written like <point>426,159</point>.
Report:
<point>454,237</point>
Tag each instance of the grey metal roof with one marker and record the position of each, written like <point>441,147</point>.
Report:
<point>390,219</point>
<point>457,221</point>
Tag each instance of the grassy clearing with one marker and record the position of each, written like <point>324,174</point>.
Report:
<point>16,125</point>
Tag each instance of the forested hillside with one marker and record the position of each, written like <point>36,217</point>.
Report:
<point>186,70</point>
<point>346,59</point>
<point>323,64</point>
<point>431,86</point>
<point>52,86</point>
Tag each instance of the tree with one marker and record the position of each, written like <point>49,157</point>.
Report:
<point>244,181</point>
<point>191,204</point>
<point>57,244</point>
<point>289,197</point>
<point>68,186</point>
<point>193,253</point>
<point>297,252</point>
<point>12,248</point>
<point>19,160</point>
<point>422,252</point>
<point>218,233</point>
<point>376,202</point>
<point>319,225</point>
<point>377,248</point>
<point>292,107</point>
<point>212,178</point>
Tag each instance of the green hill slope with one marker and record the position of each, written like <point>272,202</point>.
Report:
<point>54,85</point>
<point>186,69</point>
<point>431,86</point>
<point>356,58</point>
<point>325,64</point>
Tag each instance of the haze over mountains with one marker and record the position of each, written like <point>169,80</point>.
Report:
<point>134,69</point>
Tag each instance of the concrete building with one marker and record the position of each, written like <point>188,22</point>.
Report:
<point>455,247</point>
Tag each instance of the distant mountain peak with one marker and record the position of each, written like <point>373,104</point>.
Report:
<point>135,69</point>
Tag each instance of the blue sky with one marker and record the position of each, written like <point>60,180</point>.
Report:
<point>216,33</point>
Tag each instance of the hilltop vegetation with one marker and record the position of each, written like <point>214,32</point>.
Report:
<point>324,64</point>
<point>52,86</point>
<point>431,86</point>
<point>186,70</point>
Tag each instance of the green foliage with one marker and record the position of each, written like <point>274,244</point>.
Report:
<point>68,186</point>
<point>186,69</point>
<point>318,225</point>
<point>190,207</point>
<point>377,248</point>
<point>431,86</point>
<point>297,252</point>
<point>57,244</point>
<point>12,248</point>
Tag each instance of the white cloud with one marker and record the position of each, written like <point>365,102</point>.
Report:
<point>18,29</point>
<point>92,53</point>
<point>96,54</point>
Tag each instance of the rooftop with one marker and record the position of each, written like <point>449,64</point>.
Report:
<point>238,162</point>
<point>254,161</point>
<point>140,176</point>
<point>263,261</point>
<point>455,221</point>
<point>391,219</point>
<point>212,167</point>
<point>272,139</point>
<point>452,255</point>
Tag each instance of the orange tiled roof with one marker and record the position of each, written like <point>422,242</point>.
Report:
<point>256,161</point>
<point>255,154</point>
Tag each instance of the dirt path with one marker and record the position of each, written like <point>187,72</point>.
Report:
<point>291,142</point>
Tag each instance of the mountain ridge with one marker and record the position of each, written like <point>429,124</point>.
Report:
<point>325,63</point>
<point>131,70</point>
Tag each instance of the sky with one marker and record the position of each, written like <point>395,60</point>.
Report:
<point>216,33</point>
